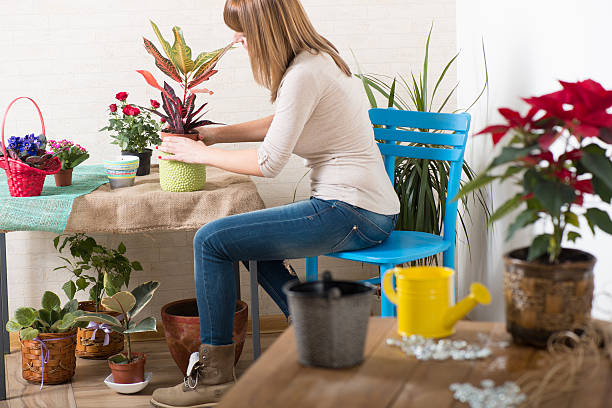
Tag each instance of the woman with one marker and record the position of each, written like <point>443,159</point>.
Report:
<point>321,115</point>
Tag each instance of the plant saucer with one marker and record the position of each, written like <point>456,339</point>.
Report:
<point>128,388</point>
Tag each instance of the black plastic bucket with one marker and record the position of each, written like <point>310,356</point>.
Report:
<point>330,319</point>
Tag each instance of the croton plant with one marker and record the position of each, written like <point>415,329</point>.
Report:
<point>556,154</point>
<point>181,113</point>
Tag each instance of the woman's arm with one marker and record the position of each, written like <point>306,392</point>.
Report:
<point>253,131</point>
<point>190,151</point>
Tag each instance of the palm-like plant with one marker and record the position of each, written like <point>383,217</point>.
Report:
<point>421,184</point>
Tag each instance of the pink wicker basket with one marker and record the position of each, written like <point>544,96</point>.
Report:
<point>23,180</point>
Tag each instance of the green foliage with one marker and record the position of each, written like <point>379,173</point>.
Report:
<point>421,184</point>
<point>51,318</point>
<point>102,270</point>
<point>129,304</point>
<point>133,133</point>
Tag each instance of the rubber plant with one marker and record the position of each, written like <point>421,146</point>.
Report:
<point>51,318</point>
<point>421,184</point>
<point>103,270</point>
<point>128,304</point>
<point>181,114</point>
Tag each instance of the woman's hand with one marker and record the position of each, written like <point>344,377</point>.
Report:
<point>206,134</point>
<point>184,150</point>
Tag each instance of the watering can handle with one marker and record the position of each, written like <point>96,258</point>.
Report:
<point>387,286</point>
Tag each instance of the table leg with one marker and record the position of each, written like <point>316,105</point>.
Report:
<point>255,309</point>
<point>237,278</point>
<point>5,346</point>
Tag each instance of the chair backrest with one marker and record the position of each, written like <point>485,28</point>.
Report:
<point>447,146</point>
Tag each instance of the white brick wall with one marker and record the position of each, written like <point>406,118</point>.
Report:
<point>72,57</point>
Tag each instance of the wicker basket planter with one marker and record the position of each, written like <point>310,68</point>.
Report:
<point>90,342</point>
<point>55,361</point>
<point>542,299</point>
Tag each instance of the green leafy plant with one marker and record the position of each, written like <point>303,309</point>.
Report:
<point>181,113</point>
<point>102,270</point>
<point>51,318</point>
<point>69,153</point>
<point>421,184</point>
<point>554,181</point>
<point>134,130</point>
<point>129,304</point>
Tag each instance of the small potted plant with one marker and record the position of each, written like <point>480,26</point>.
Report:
<point>30,150</point>
<point>548,287</point>
<point>181,115</point>
<point>71,155</point>
<point>104,271</point>
<point>135,130</point>
<point>127,367</point>
<point>47,339</point>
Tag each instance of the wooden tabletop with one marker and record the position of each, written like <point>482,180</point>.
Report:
<point>389,378</point>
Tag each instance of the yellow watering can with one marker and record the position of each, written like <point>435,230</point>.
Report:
<point>423,300</point>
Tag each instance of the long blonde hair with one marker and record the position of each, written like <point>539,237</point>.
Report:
<point>276,31</point>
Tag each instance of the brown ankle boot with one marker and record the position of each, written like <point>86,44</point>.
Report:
<point>204,384</point>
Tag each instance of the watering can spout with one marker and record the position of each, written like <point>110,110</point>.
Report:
<point>478,294</point>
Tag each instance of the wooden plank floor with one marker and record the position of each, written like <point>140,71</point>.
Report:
<point>87,389</point>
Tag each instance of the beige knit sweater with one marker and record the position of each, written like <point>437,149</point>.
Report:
<point>322,116</point>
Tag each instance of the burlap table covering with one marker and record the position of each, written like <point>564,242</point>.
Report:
<point>145,207</point>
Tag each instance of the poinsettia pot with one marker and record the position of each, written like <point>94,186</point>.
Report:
<point>182,329</point>
<point>128,373</point>
<point>177,176</point>
<point>144,165</point>
<point>543,298</point>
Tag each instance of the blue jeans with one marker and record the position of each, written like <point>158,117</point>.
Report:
<point>303,229</point>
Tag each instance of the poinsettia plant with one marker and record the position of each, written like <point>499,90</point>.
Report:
<point>181,114</point>
<point>556,155</point>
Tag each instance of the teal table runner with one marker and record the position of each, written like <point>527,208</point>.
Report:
<point>50,210</point>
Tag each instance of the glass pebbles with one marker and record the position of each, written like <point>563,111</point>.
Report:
<point>507,395</point>
<point>429,349</point>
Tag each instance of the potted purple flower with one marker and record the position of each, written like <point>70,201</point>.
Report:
<point>71,155</point>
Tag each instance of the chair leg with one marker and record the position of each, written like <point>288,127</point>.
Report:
<point>387,309</point>
<point>448,260</point>
<point>312,269</point>
<point>255,332</point>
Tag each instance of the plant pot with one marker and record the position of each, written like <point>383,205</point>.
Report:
<point>61,361</point>
<point>542,298</point>
<point>144,165</point>
<point>90,342</point>
<point>181,177</point>
<point>121,171</point>
<point>129,373</point>
<point>182,329</point>
<point>63,178</point>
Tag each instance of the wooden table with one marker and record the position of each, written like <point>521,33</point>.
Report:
<point>389,378</point>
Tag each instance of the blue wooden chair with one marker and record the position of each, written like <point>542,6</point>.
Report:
<point>407,246</point>
<point>402,246</point>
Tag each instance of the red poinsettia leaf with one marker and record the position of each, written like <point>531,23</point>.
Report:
<point>493,129</point>
<point>605,134</point>
<point>546,156</point>
<point>575,154</point>
<point>547,139</point>
<point>599,119</point>
<point>529,160</point>
<point>588,95</point>
<point>579,200</point>
<point>586,130</point>
<point>584,186</point>
<point>527,197</point>
<point>513,117</point>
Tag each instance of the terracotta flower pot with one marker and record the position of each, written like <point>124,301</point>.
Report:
<point>129,373</point>
<point>176,176</point>
<point>182,329</point>
<point>63,178</point>
<point>542,298</point>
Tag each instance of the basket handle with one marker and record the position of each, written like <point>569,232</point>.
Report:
<point>42,122</point>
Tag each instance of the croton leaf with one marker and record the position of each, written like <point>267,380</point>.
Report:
<point>199,79</point>
<point>202,123</point>
<point>150,79</point>
<point>181,53</point>
<point>165,44</point>
<point>194,114</point>
<point>189,104</point>
<point>204,57</point>
<point>164,64</point>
